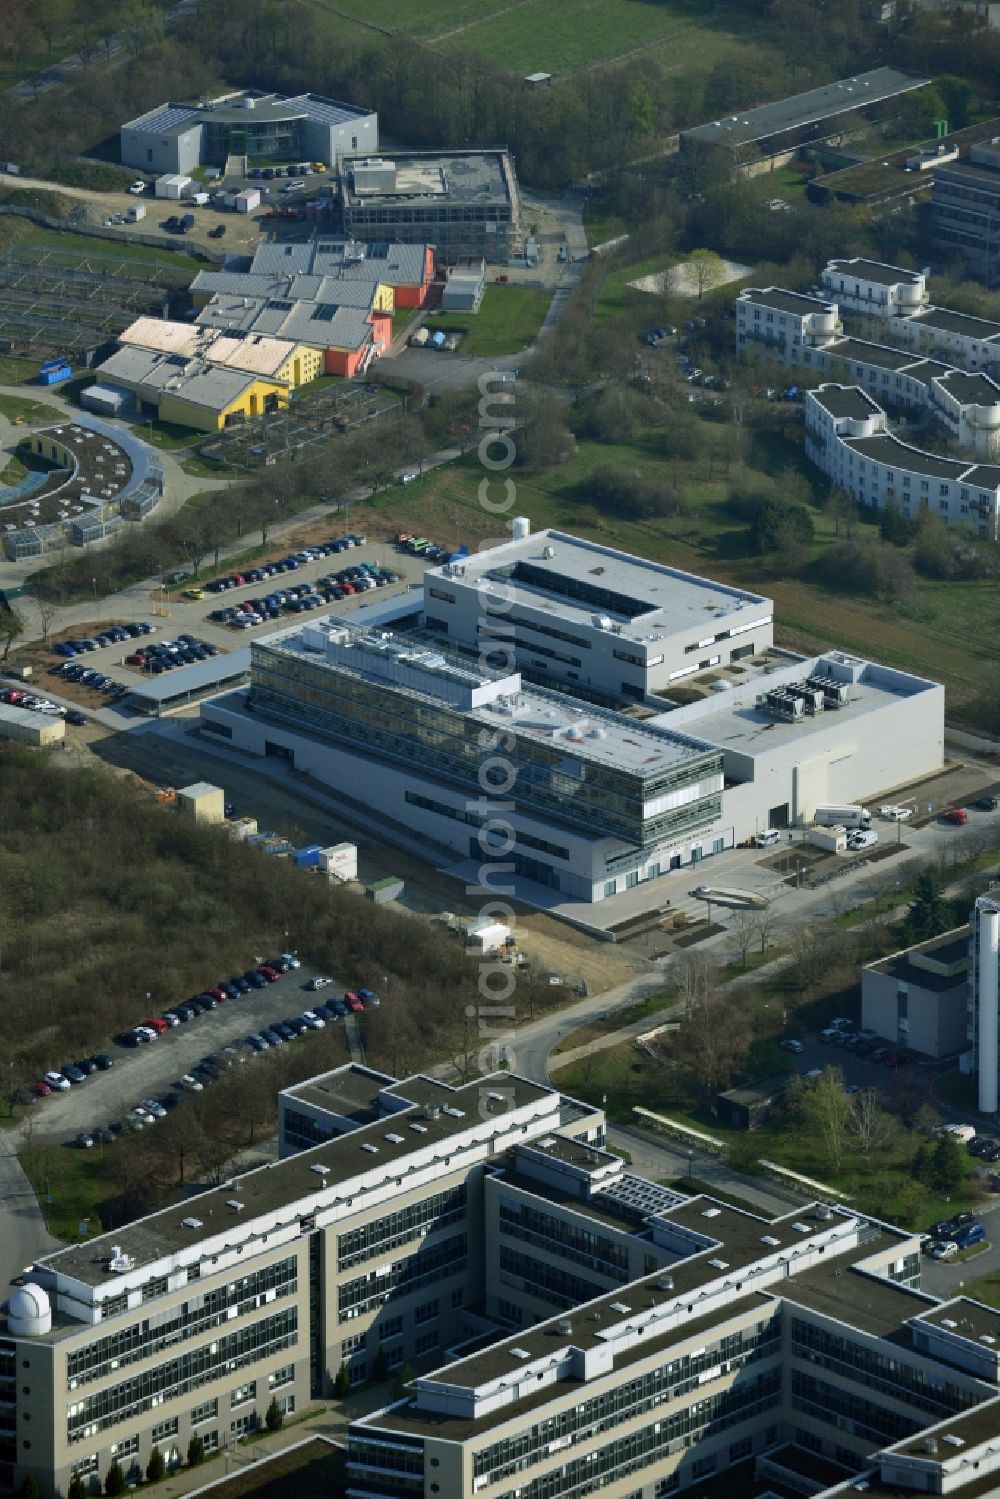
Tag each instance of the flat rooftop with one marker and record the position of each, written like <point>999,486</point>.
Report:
<point>971,390</point>
<point>733,722</point>
<point>579,730</point>
<point>887,175</point>
<point>887,448</point>
<point>780,300</point>
<point>950,949</point>
<point>228,668</point>
<point>876,271</point>
<point>957,322</point>
<point>430,177</point>
<point>965,1318</point>
<point>285,1183</point>
<point>846,401</point>
<point>810,108</point>
<point>576,580</point>
<point>860,351</point>
<point>348,1092</point>
<point>971,1427</point>
<point>231,109</point>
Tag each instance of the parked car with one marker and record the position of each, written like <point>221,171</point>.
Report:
<point>788,1045</point>
<point>986,804</point>
<point>958,816</point>
<point>942,1249</point>
<point>57,1082</point>
<point>319,981</point>
<point>190,1082</point>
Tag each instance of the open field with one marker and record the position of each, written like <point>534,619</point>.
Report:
<point>507,321</point>
<point>554,36</point>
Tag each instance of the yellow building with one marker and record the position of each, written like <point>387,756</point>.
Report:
<point>193,392</point>
<point>286,360</point>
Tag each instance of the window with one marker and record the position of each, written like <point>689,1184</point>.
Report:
<point>391,1327</point>
<point>163,1430</point>
<point>243,1425</point>
<point>457,1297</point>
<point>127,1447</point>
<point>210,1439</point>
<point>358,1373</point>
<point>610,887</point>
<point>85,1465</point>
<point>279,1377</point>
<point>206,1412</point>
<point>426,1343</point>
<point>242,1394</point>
<point>357,1341</point>
<point>426,1313</point>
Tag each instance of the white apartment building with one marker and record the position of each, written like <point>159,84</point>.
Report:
<point>967,404</point>
<point>847,437</point>
<point>873,289</point>
<point>784,322</point>
<point>973,343</point>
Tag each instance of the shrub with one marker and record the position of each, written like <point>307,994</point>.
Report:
<point>156,1468</point>
<point>196,1452</point>
<point>274,1417</point>
<point>114,1481</point>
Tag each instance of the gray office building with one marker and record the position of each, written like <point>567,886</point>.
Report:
<point>260,126</point>
<point>465,203</point>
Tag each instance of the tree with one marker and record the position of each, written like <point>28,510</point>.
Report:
<point>706,269</point>
<point>946,1164</point>
<point>342,1383</point>
<point>156,1468</point>
<point>114,1481</point>
<point>405,1376</point>
<point>697,975</point>
<point>714,1040</point>
<point>744,934</point>
<point>842,510</point>
<point>195,1452</point>
<point>872,1126</point>
<point>274,1416</point>
<point>380,1368</point>
<point>893,525</point>
<point>927,915</point>
<point>764,919</point>
<point>826,1106</point>
<point>76,1489</point>
<point>11,629</point>
<point>29,1488</point>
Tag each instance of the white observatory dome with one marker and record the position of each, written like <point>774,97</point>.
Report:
<point>29,1312</point>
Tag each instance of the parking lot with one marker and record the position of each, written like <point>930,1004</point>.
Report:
<point>150,1070</point>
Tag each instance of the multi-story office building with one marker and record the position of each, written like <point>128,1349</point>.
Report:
<point>965,210</point>
<point>464,203</point>
<point>847,437</point>
<point>260,126</point>
<point>578,1328</point>
<point>591,619</point>
<point>919,998</point>
<point>426,715</point>
<point>444,747</point>
<point>781,324</point>
<point>983,1060</point>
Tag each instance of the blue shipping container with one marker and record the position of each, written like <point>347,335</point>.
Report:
<point>54,371</point>
<point>304,857</point>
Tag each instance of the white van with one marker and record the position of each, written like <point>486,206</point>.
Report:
<point>767,838</point>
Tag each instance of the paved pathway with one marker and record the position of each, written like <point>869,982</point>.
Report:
<point>23,1235</point>
<point>67,67</point>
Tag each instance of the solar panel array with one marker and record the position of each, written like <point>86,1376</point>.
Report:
<point>164,118</point>
<point>640,1196</point>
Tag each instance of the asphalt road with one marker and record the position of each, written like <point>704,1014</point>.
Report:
<point>145,1071</point>
<point>23,1235</point>
<point>946,1280</point>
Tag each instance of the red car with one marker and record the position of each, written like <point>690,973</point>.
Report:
<point>41,1088</point>
<point>156,1024</point>
<point>352,1001</point>
<point>138,658</point>
<point>219,994</point>
<point>957,815</point>
<point>270,974</point>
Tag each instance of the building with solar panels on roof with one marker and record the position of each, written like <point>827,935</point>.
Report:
<point>263,127</point>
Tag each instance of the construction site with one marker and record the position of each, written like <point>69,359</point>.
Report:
<point>313,421</point>
<point>62,301</point>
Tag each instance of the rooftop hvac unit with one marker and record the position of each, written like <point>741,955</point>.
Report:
<point>782,705</point>
<point>811,697</point>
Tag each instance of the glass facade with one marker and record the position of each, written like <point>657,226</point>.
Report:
<point>357,1297</point>
<point>430,737</point>
<point>564,1237</point>
<point>397,1228</point>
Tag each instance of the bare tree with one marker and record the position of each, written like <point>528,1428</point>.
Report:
<point>872,1126</point>
<point>697,975</point>
<point>744,934</point>
<point>714,1040</point>
<point>764,922</point>
<point>826,1107</point>
<point>47,614</point>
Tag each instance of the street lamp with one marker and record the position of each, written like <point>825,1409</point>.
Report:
<point>94,585</point>
<point>690,1156</point>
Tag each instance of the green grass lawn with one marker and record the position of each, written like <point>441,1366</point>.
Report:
<point>76,1181</point>
<point>507,321</point>
<point>166,435</point>
<point>18,371</point>
<point>35,412</point>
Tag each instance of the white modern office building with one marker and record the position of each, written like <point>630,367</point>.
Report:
<point>984,1002</point>
<point>591,619</point>
<point>847,437</point>
<point>479,719</point>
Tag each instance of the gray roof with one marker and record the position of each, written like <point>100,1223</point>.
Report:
<point>796,302</point>
<point>874,270</point>
<point>348,293</point>
<point>195,380</point>
<point>957,322</point>
<point>886,448</point>
<point>328,254</point>
<point>847,401</point>
<point>806,109</point>
<point>859,351</point>
<point>218,671</point>
<point>326,325</point>
<point>459,176</point>
<point>969,389</point>
<point>174,119</point>
<point>165,119</point>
